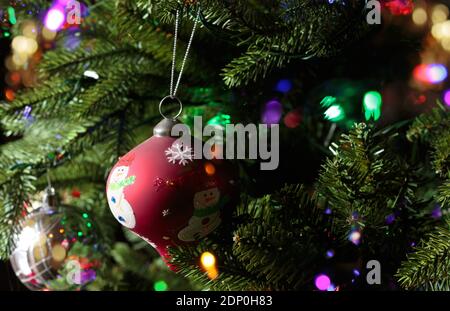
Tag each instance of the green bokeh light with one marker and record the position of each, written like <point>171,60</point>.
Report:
<point>372,105</point>
<point>160,286</point>
<point>220,119</point>
<point>12,15</point>
<point>85,215</point>
<point>334,113</point>
<point>327,101</point>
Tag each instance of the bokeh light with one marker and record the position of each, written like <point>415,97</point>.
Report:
<point>372,105</point>
<point>355,237</point>
<point>284,86</point>
<point>210,169</point>
<point>430,73</point>
<point>72,41</point>
<point>13,78</point>
<point>322,282</point>
<point>441,31</point>
<point>208,260</point>
<point>327,101</point>
<point>48,34</point>
<point>24,45</point>
<point>390,219</point>
<point>439,13</point>
<point>160,286</point>
<point>445,29</point>
<point>399,7</point>
<point>447,97</point>
<point>54,19</point>
<point>420,73</point>
<point>436,213</point>
<point>10,95</point>
<point>220,120</point>
<point>436,31</point>
<point>372,100</point>
<point>421,99</point>
<point>293,119</point>
<point>29,29</point>
<point>436,73</point>
<point>446,44</point>
<point>330,253</point>
<point>419,16</point>
<point>63,2</point>
<point>272,113</point>
<point>12,15</point>
<point>58,253</point>
<point>334,113</point>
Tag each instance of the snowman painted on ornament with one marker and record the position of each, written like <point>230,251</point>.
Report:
<point>118,204</point>
<point>206,216</point>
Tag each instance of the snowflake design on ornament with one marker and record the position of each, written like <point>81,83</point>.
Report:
<point>179,153</point>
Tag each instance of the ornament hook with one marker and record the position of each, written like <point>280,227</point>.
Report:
<point>173,99</point>
<point>49,182</point>
<point>49,198</point>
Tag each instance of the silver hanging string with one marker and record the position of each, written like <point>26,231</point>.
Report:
<point>49,182</point>
<point>174,89</point>
<point>48,198</point>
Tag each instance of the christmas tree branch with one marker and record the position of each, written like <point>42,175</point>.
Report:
<point>429,266</point>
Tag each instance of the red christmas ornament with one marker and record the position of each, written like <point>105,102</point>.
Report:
<point>399,7</point>
<point>165,196</point>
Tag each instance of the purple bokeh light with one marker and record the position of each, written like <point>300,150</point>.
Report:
<point>322,282</point>
<point>55,18</point>
<point>272,112</point>
<point>447,97</point>
<point>436,73</point>
<point>330,253</point>
<point>436,213</point>
<point>390,219</point>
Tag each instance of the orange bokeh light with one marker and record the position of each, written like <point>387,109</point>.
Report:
<point>210,169</point>
<point>14,77</point>
<point>10,95</point>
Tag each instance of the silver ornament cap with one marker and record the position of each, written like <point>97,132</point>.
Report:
<point>50,199</point>
<point>164,128</point>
